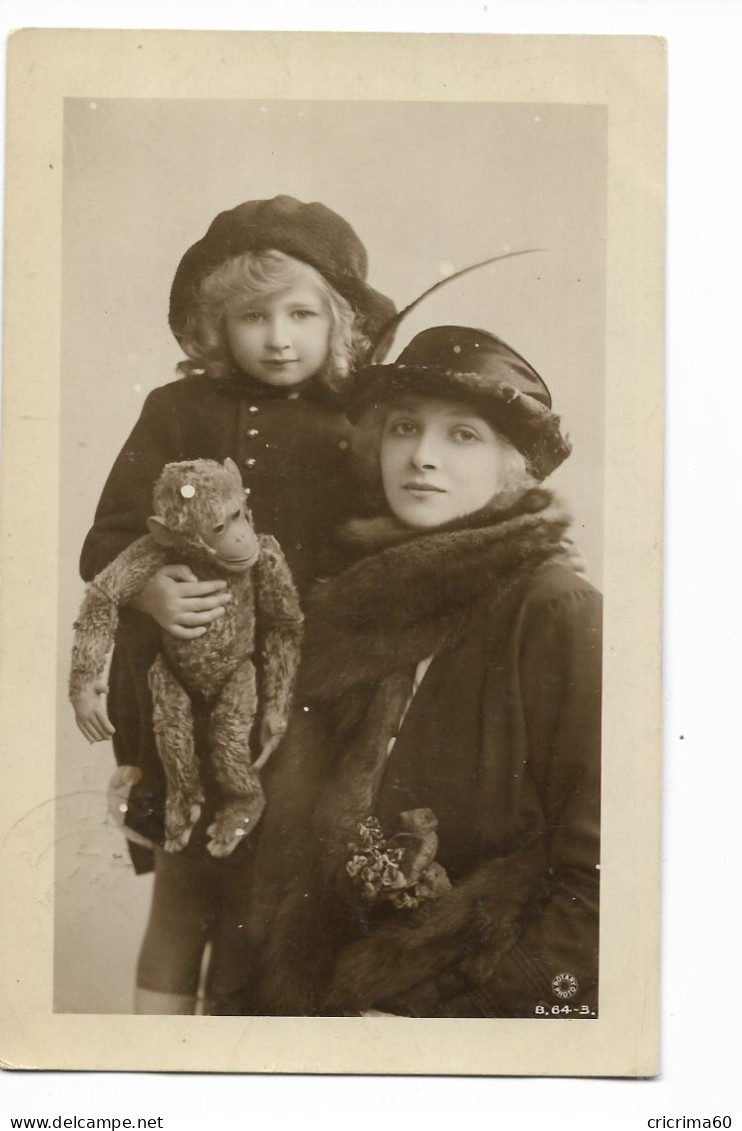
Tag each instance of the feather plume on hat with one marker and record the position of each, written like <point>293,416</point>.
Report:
<point>384,340</point>
<point>462,361</point>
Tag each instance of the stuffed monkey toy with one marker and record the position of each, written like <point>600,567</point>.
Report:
<point>201,519</point>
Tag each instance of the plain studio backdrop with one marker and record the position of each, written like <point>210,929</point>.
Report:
<point>429,187</point>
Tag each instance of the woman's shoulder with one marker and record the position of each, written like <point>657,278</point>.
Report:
<point>554,611</point>
<point>560,603</point>
<point>557,581</point>
<point>553,592</point>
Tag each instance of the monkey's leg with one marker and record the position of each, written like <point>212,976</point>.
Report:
<point>173,726</point>
<point>231,721</point>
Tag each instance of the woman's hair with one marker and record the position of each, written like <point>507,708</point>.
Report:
<point>255,275</point>
<point>366,451</point>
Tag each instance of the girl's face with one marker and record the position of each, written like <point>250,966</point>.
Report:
<point>281,339</point>
<point>440,460</point>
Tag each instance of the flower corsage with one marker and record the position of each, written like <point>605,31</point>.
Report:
<point>401,871</point>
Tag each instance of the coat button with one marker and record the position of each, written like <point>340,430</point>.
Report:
<point>250,462</point>
<point>253,408</point>
<point>253,432</point>
<point>343,445</point>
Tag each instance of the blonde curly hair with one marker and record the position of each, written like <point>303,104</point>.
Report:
<point>257,275</point>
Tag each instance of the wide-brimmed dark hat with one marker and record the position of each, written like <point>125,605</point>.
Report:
<point>311,233</point>
<point>473,365</point>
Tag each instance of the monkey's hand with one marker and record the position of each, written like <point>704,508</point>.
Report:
<point>91,714</point>
<point>180,603</point>
<point>234,821</point>
<point>181,816</point>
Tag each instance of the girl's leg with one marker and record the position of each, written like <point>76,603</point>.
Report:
<point>185,903</point>
<point>162,1004</point>
<point>232,968</point>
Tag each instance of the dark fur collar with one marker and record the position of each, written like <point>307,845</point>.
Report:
<point>413,594</point>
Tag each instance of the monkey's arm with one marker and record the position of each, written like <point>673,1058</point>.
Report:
<point>279,624</point>
<point>98,618</point>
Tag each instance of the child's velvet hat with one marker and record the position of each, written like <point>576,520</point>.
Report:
<point>462,363</point>
<point>311,233</point>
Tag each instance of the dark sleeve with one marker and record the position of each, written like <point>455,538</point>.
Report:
<point>126,501</point>
<point>493,946</point>
<point>561,686</point>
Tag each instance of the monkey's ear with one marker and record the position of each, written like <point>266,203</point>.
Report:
<point>160,532</point>
<point>233,470</point>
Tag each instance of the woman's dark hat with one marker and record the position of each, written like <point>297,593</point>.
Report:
<point>311,233</point>
<point>473,365</point>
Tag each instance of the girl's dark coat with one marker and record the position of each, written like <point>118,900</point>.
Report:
<point>293,453</point>
<point>502,741</point>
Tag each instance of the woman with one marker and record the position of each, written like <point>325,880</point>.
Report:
<point>430,844</point>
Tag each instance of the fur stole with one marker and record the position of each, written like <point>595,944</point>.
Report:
<point>412,594</point>
<point>415,593</point>
<point>450,947</point>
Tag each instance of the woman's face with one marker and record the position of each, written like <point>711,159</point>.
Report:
<point>440,460</point>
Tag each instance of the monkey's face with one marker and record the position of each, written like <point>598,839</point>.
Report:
<point>231,536</point>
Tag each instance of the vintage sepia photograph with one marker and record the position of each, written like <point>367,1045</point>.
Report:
<point>458,572</point>
<point>339,431</point>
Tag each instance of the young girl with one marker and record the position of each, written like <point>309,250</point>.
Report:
<point>431,838</point>
<point>272,309</point>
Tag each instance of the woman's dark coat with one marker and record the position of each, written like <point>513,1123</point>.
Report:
<point>501,741</point>
<point>292,449</point>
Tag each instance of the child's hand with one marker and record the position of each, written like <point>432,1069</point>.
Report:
<point>180,603</point>
<point>91,714</point>
<point>119,791</point>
